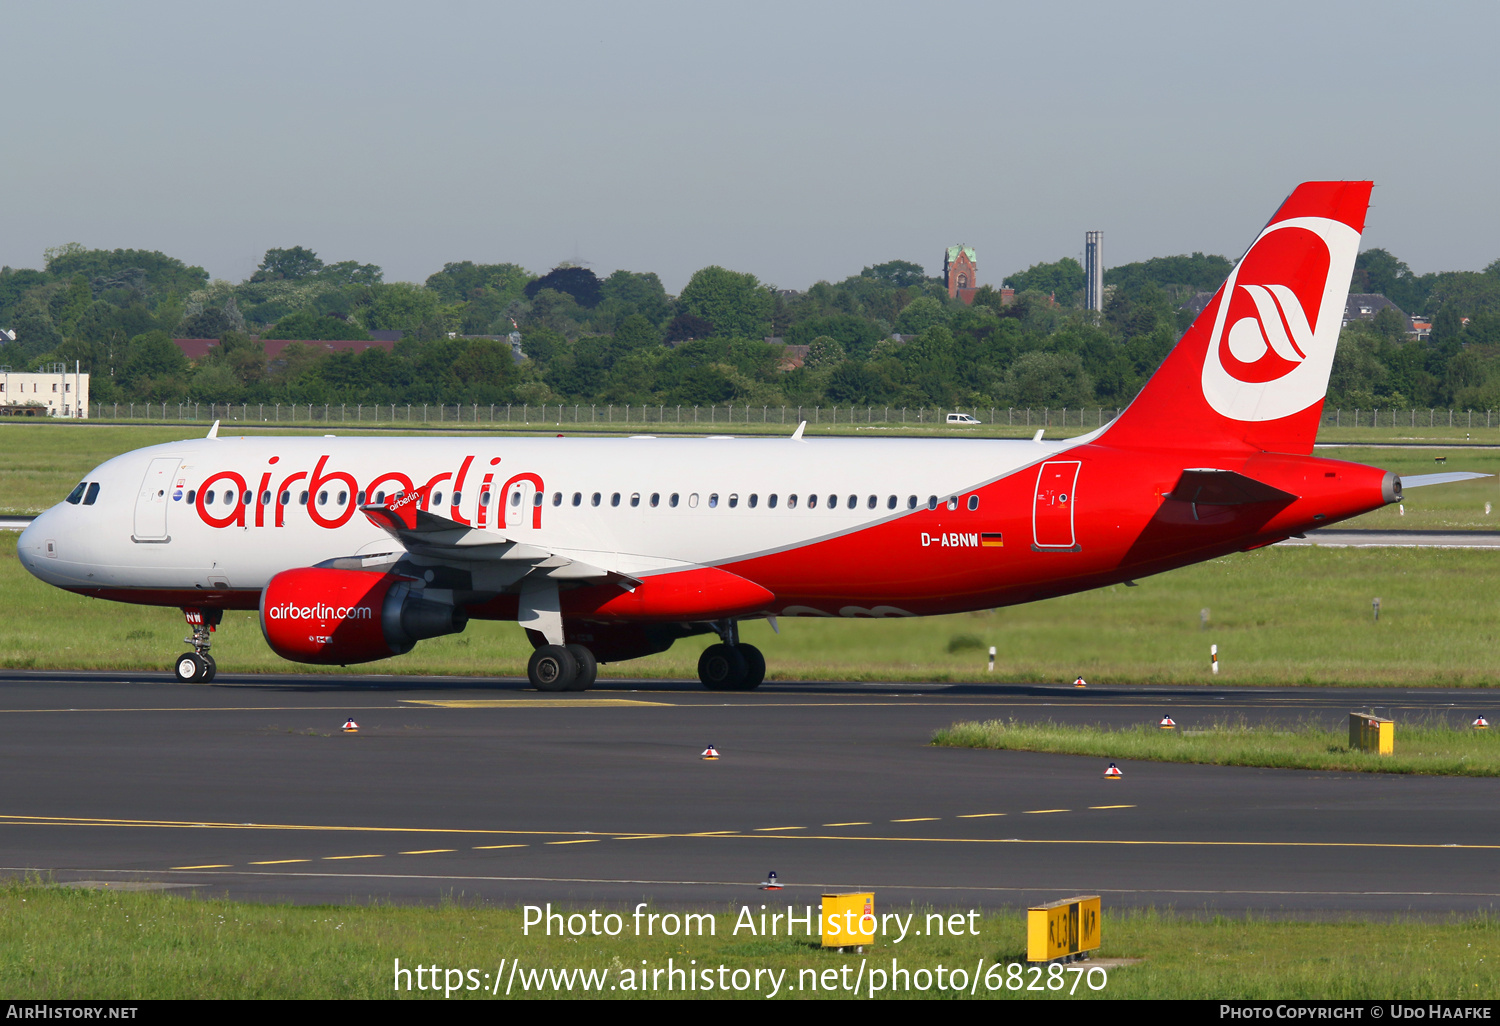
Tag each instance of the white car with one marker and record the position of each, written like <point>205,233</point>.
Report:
<point>961,418</point>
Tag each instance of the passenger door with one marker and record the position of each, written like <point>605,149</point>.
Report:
<point>152,500</point>
<point>1052,510</point>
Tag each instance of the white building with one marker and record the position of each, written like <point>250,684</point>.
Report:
<point>60,392</point>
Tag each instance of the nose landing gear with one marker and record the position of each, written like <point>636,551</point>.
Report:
<point>197,666</point>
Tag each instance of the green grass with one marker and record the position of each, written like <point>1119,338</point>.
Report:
<point>1432,748</point>
<point>1279,616</point>
<point>68,943</point>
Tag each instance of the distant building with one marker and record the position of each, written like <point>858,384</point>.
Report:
<point>961,272</point>
<point>793,357</point>
<point>59,392</point>
<point>1363,306</point>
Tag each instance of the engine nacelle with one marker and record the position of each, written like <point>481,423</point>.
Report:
<point>316,615</point>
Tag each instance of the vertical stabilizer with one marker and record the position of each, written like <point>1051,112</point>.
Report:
<point>1253,368</point>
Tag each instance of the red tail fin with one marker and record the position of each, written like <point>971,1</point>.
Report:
<point>1253,369</point>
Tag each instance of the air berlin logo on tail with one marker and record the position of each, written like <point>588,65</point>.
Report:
<point>1278,320</point>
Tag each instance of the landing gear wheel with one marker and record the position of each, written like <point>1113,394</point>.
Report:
<point>588,668</point>
<point>191,668</point>
<point>552,668</point>
<point>211,668</point>
<point>721,667</point>
<point>755,668</point>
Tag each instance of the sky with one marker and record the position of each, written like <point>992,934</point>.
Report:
<point>797,141</point>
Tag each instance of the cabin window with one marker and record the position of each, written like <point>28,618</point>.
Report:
<point>734,499</point>
<point>655,499</point>
<point>515,498</point>
<point>578,498</point>
<point>891,503</point>
<point>379,497</point>
<point>754,499</point>
<point>536,500</point>
<point>693,501</point>
<point>713,500</point>
<point>635,498</point>
<point>286,497</point>
<point>812,501</point>
<point>973,503</point>
<point>265,498</point>
<point>343,498</point>
<point>302,499</point>
<point>872,502</point>
<point>457,498</point>
<point>771,501</point>
<point>932,502</point>
<point>93,493</point>
<point>245,498</point>
<point>595,499</point>
<point>833,501</point>
<point>208,498</point>
<point>953,502</point>
<point>557,498</point>
<point>192,494</point>
<point>614,500</point>
<point>911,502</point>
<point>673,501</point>
<point>360,499</point>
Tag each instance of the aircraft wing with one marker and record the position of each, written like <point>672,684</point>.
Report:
<point>1449,477</point>
<point>1209,487</point>
<point>445,541</point>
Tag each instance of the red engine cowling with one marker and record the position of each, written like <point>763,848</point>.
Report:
<point>316,615</point>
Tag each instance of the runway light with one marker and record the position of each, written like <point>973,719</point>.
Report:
<point>711,753</point>
<point>771,883</point>
<point>1167,723</point>
<point>1113,773</point>
<point>1481,723</point>
<point>350,727</point>
<point>1080,683</point>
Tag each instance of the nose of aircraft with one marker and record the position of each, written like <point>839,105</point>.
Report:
<point>31,547</point>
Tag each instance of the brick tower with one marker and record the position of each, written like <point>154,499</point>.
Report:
<point>961,272</point>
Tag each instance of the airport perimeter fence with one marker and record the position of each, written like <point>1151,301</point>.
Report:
<point>710,418</point>
<point>605,415</point>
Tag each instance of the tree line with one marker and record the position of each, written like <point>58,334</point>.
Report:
<point>887,336</point>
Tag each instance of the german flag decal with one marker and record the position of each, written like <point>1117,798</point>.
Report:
<point>992,541</point>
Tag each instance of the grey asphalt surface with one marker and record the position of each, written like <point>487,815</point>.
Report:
<point>485,790</point>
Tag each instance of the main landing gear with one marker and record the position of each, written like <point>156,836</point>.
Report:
<point>729,665</point>
<point>562,668</point>
<point>197,666</point>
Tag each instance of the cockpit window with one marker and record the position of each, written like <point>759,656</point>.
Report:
<point>91,494</point>
<point>77,493</point>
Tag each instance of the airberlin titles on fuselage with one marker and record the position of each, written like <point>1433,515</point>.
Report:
<point>231,489</point>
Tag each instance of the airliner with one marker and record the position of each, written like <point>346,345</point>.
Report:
<point>609,549</point>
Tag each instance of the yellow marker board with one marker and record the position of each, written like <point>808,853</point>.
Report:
<point>848,920</point>
<point>1062,928</point>
<point>1371,733</point>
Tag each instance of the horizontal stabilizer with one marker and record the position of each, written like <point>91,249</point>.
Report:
<point>1423,480</point>
<point>1208,487</point>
